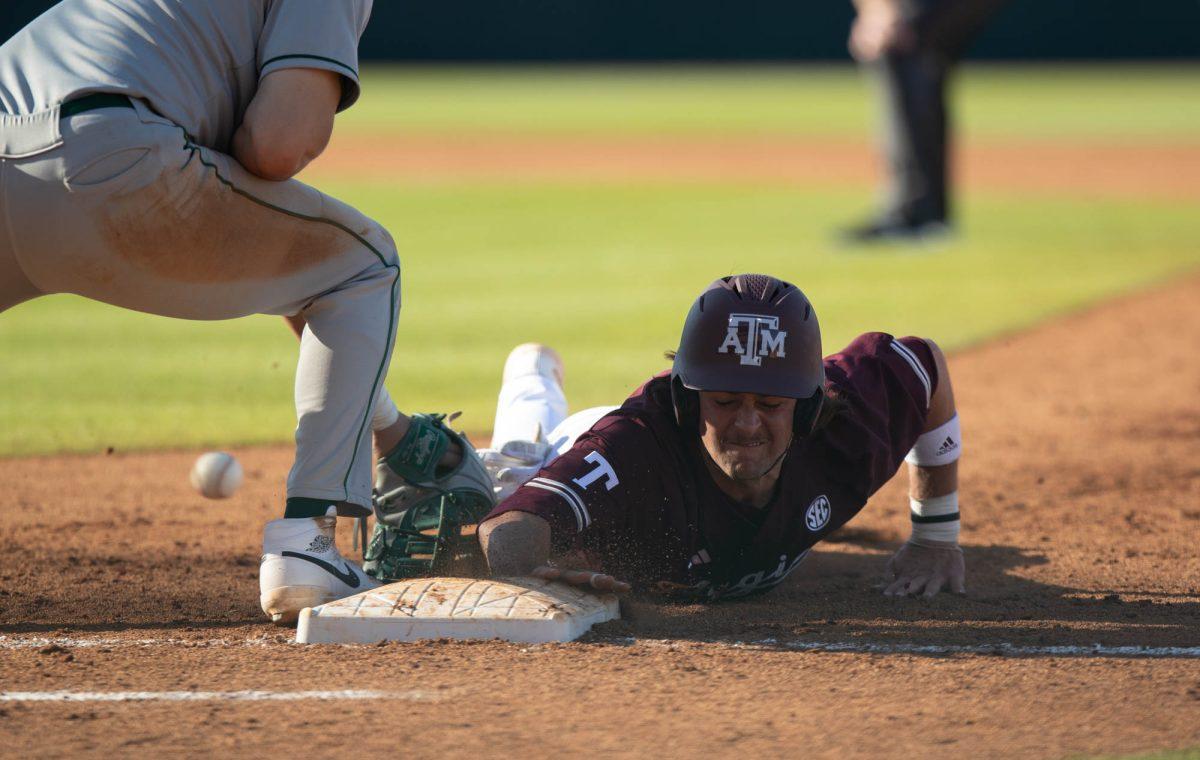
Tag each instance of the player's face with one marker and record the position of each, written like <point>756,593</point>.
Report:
<point>745,434</point>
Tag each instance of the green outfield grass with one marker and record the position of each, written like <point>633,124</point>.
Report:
<point>606,272</point>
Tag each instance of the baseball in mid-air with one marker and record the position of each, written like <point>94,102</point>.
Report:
<point>216,475</point>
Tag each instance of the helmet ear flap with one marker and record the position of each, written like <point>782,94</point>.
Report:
<point>807,412</point>
<point>687,406</point>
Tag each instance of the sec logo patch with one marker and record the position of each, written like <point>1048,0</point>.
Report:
<point>817,514</point>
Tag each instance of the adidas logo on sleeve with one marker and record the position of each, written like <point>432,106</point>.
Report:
<point>947,446</point>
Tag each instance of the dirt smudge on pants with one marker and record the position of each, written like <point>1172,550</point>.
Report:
<point>197,229</point>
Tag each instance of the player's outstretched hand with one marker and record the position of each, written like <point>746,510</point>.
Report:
<point>585,578</point>
<point>925,568</point>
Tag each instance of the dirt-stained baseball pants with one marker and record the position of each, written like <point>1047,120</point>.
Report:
<point>128,211</point>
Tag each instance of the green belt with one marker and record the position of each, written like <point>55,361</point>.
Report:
<point>92,102</point>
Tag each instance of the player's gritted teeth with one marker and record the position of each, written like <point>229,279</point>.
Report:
<point>741,443</point>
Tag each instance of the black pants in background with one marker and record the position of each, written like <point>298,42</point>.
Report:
<point>916,120</point>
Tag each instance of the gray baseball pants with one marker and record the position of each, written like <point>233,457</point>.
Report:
<point>128,211</point>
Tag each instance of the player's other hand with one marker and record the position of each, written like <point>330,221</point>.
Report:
<point>925,568</point>
<point>512,465</point>
<point>587,579</point>
<point>879,29</point>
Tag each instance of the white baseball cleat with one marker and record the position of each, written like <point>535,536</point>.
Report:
<point>302,567</point>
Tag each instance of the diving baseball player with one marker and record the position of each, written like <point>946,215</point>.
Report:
<point>716,479</point>
<point>147,149</point>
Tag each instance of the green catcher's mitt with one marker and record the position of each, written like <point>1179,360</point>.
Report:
<point>425,514</point>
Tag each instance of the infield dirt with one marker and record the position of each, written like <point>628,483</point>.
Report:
<point>1145,171</point>
<point>1081,496</point>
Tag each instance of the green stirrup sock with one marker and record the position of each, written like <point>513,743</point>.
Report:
<point>417,455</point>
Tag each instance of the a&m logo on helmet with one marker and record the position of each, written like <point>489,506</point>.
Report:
<point>753,336</point>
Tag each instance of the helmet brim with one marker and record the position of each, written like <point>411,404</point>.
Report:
<point>707,378</point>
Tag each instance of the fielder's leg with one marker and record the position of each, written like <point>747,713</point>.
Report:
<point>132,213</point>
<point>15,286</point>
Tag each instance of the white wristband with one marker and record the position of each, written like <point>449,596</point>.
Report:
<point>386,412</point>
<point>939,446</point>
<point>935,518</point>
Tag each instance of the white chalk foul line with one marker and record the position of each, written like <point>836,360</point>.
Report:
<point>1001,648</point>
<point>859,646</point>
<point>37,642</point>
<point>209,696</point>
<point>891,647</point>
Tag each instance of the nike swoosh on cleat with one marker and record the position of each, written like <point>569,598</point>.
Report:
<point>348,577</point>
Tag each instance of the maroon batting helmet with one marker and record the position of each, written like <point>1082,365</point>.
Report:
<point>750,333</point>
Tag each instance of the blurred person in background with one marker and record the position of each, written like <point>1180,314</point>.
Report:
<point>913,46</point>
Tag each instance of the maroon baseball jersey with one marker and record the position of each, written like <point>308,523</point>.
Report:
<point>634,489</point>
